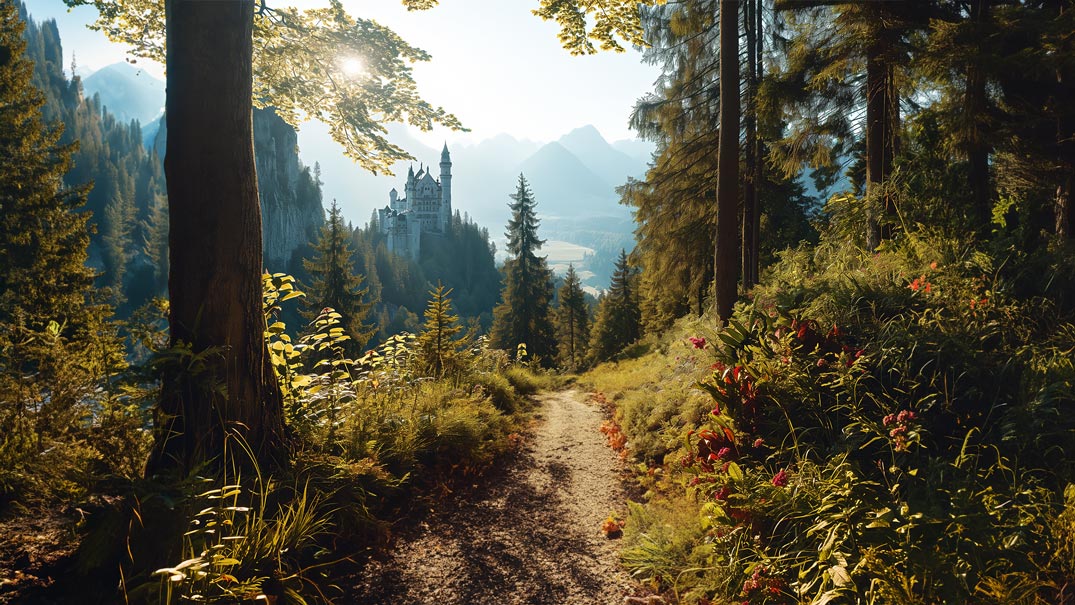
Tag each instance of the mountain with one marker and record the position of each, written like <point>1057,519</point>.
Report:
<point>564,186</point>
<point>127,92</point>
<point>603,159</point>
<point>573,178</point>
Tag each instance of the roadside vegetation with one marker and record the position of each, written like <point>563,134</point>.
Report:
<point>888,427</point>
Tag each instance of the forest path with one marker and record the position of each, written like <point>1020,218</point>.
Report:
<point>530,536</point>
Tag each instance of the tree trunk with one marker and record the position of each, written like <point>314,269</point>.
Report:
<point>759,145</point>
<point>1062,208</point>
<point>975,106</point>
<point>750,121</point>
<point>1065,139</point>
<point>881,123</point>
<point>726,257</point>
<point>216,248</point>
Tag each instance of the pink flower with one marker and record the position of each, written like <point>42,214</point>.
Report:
<point>759,442</point>
<point>697,341</point>
<point>780,479</point>
<point>723,453</point>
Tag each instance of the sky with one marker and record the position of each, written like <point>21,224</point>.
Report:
<point>496,66</point>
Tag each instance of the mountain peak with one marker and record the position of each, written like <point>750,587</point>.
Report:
<point>587,135</point>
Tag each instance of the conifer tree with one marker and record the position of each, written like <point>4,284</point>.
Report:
<point>572,322</point>
<point>438,347</point>
<point>43,239</point>
<point>522,317</point>
<point>56,344</point>
<point>335,283</point>
<point>619,320</point>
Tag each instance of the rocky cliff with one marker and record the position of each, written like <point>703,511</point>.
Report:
<point>291,212</point>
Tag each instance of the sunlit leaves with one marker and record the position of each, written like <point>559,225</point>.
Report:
<point>297,70</point>
<point>606,22</point>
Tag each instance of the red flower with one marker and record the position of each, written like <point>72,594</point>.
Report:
<point>780,479</point>
<point>759,442</point>
<point>914,285</point>
<point>723,453</point>
<point>697,341</point>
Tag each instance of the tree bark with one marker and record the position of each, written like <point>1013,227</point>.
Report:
<point>750,121</point>
<point>882,120</point>
<point>975,105</point>
<point>726,256</point>
<point>216,248</point>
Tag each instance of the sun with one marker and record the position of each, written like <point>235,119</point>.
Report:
<point>352,66</point>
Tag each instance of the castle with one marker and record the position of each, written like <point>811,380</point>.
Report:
<point>425,207</point>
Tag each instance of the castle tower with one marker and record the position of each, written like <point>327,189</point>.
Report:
<point>393,199</point>
<point>445,189</point>
<point>408,190</point>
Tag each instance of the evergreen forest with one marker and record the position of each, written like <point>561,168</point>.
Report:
<point>837,366</point>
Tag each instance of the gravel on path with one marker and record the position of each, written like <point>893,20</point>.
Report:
<point>533,536</point>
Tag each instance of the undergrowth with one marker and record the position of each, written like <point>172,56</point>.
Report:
<point>895,427</point>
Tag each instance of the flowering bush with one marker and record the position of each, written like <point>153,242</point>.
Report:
<point>875,438</point>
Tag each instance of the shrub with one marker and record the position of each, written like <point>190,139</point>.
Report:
<point>889,428</point>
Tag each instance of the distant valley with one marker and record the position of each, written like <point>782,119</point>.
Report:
<point>573,178</point>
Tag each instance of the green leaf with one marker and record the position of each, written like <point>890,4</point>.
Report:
<point>735,472</point>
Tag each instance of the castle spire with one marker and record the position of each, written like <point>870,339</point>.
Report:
<point>444,156</point>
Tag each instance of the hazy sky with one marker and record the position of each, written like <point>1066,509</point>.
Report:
<point>495,65</point>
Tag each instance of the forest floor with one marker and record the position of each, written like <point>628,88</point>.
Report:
<point>530,535</point>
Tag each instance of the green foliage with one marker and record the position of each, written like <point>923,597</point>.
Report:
<point>335,285</point>
<point>522,317</point>
<point>461,259</point>
<point>125,204</point>
<point>299,69</point>
<point>438,348</point>
<point>612,19</point>
<point>619,319</point>
<point>65,422</point>
<point>887,428</point>
<point>244,542</point>
<point>572,322</point>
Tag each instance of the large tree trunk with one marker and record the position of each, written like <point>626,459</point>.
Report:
<point>750,121</point>
<point>882,120</point>
<point>726,256</point>
<point>975,106</point>
<point>216,248</point>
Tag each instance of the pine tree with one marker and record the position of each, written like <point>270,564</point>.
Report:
<point>437,346</point>
<point>619,320</point>
<point>43,240</point>
<point>522,317</point>
<point>572,322</point>
<point>56,343</point>
<point>335,284</point>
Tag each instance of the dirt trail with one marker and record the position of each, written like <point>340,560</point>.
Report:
<point>532,536</point>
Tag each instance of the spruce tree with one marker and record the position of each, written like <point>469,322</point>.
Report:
<point>43,239</point>
<point>335,284</point>
<point>619,320</point>
<point>522,317</point>
<point>438,347</point>
<point>572,322</point>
